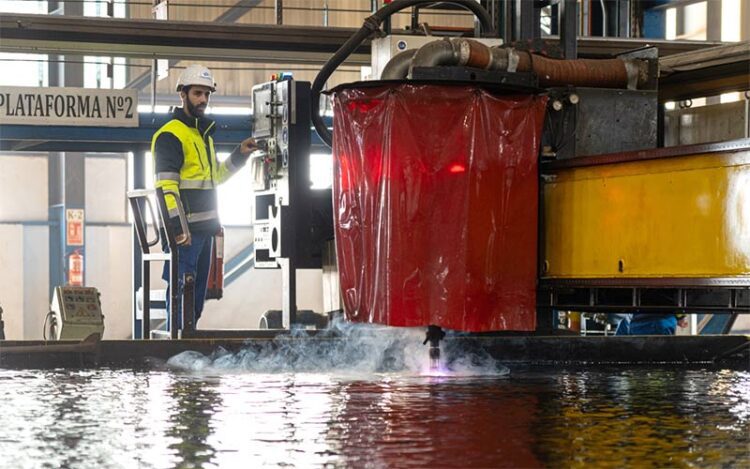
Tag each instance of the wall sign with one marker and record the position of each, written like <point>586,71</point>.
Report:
<point>68,106</point>
<point>74,226</point>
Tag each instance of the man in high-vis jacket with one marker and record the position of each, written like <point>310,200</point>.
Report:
<point>185,163</point>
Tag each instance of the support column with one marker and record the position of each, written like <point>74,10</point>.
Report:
<point>506,22</point>
<point>279,9</point>
<point>623,18</point>
<point>67,180</point>
<point>586,18</point>
<point>526,24</point>
<point>139,182</point>
<point>569,28</point>
<point>713,33</point>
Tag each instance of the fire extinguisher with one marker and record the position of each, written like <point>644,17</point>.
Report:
<point>215,288</point>
<point>75,269</point>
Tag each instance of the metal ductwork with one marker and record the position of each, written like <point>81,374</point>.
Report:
<point>398,67</point>
<point>607,73</point>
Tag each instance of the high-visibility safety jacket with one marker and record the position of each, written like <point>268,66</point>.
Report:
<point>185,163</point>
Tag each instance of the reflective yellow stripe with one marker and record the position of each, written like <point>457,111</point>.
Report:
<point>167,176</point>
<point>207,129</point>
<point>203,216</point>
<point>190,184</point>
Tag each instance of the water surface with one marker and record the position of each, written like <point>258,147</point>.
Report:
<point>220,418</point>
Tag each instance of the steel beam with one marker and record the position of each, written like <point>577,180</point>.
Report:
<point>592,47</point>
<point>108,37</point>
<point>137,274</point>
<point>534,351</point>
<point>230,16</point>
<point>569,28</point>
<point>526,21</point>
<point>705,73</point>
<point>230,131</point>
<point>167,39</point>
<point>67,180</point>
<point>623,18</point>
<point>279,11</point>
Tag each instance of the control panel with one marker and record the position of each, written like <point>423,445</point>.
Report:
<point>291,221</point>
<point>77,312</point>
<point>283,139</point>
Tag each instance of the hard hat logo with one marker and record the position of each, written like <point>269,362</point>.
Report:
<point>196,75</point>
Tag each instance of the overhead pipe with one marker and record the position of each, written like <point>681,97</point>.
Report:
<point>434,54</point>
<point>597,73</point>
<point>398,67</point>
<point>446,52</point>
<point>604,73</point>
<point>371,25</point>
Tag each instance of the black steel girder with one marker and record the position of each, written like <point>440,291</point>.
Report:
<point>173,39</point>
<point>227,42</point>
<point>230,16</point>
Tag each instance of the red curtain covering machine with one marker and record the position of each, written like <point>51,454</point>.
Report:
<point>436,204</point>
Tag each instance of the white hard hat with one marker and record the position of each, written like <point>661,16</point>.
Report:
<point>196,75</point>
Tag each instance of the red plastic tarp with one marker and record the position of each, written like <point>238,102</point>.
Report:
<point>435,202</point>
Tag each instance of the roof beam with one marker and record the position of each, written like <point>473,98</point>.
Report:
<point>230,16</point>
<point>152,39</point>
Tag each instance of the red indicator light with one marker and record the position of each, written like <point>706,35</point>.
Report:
<point>457,168</point>
<point>365,105</point>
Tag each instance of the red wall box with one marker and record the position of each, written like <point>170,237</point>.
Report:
<point>435,199</point>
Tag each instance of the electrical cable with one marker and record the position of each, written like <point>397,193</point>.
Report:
<point>371,25</point>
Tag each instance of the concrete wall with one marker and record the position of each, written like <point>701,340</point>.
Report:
<point>108,241</point>
<point>24,279</point>
<point>11,277</point>
<point>23,188</point>
<point>108,268</point>
<point>106,185</point>
<point>24,250</point>
<point>24,256</point>
<point>35,280</point>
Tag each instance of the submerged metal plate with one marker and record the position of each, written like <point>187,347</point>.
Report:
<point>506,349</point>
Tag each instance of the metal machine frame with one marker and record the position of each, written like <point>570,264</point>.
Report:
<point>292,222</point>
<point>140,199</point>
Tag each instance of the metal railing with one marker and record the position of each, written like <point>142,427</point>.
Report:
<point>164,236</point>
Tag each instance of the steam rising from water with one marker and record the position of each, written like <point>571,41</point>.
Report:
<point>343,349</point>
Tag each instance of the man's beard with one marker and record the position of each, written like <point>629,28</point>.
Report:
<point>196,111</point>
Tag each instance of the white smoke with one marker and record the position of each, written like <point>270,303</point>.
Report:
<point>343,349</point>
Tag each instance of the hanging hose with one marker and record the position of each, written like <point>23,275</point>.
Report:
<point>371,25</point>
<point>53,326</point>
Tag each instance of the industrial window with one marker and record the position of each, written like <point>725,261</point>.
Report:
<point>321,171</point>
<point>28,69</point>
<point>236,197</point>
<point>731,15</point>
